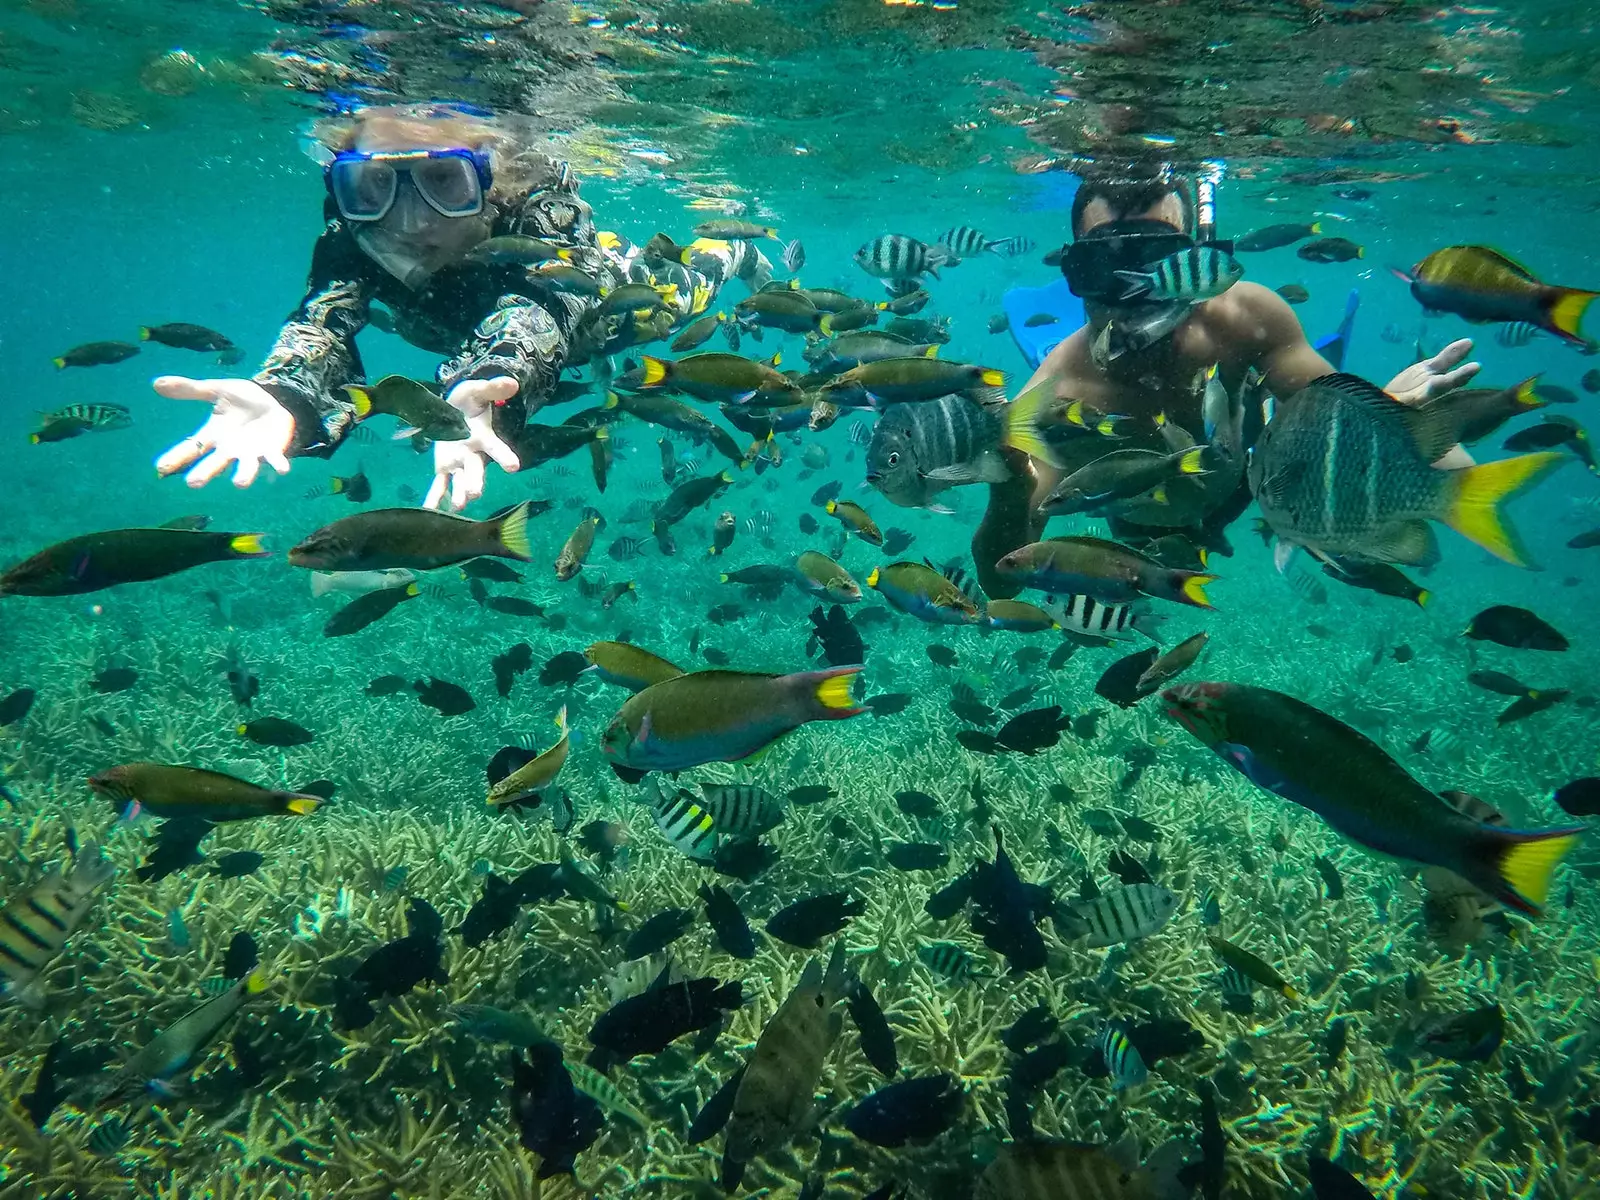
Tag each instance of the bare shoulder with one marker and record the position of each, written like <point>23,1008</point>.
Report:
<point>1249,319</point>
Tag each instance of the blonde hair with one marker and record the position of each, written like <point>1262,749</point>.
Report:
<point>516,165</point>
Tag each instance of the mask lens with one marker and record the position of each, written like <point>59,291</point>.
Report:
<point>449,185</point>
<point>363,190</point>
<point>1091,263</point>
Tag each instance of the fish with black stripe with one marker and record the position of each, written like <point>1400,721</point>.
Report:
<point>686,826</point>
<point>1198,273</point>
<point>741,810</point>
<point>896,256</point>
<point>1123,914</point>
<point>966,242</point>
<point>1091,618</point>
<point>34,927</point>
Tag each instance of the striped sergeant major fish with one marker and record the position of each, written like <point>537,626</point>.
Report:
<point>741,810</point>
<point>966,242</point>
<point>1123,914</point>
<point>1088,617</point>
<point>34,928</point>
<point>896,256</point>
<point>686,826</point>
<point>1121,1058</point>
<point>1198,273</point>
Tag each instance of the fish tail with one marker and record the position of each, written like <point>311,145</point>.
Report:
<point>247,545</point>
<point>33,439</point>
<point>257,981</point>
<point>827,693</point>
<point>655,370</point>
<point>1527,395</point>
<point>1193,462</point>
<point>303,806</point>
<point>1566,309</point>
<point>826,326</point>
<point>1515,866</point>
<point>513,533</point>
<point>990,377</point>
<point>931,352</point>
<point>1185,587</point>
<point>1020,424</point>
<point>59,362</point>
<point>612,400</point>
<point>1422,597</point>
<point>1480,492</point>
<point>360,399</point>
<point>1316,227</point>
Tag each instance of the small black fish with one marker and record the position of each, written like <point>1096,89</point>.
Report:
<point>494,912</point>
<point>1127,868</point>
<point>1035,730</point>
<point>1332,881</point>
<point>728,921</point>
<point>114,679</point>
<point>564,669</point>
<point>888,703</point>
<point>877,1035</point>
<point>275,731</point>
<point>1329,1181</point>
<point>1516,628</point>
<point>237,864</point>
<point>1168,1038</point>
<point>714,1113</point>
<point>554,1119</point>
<point>1334,1043</point>
<point>47,1093</point>
<point>657,933</point>
<point>916,856</point>
<point>1498,682</point>
<point>1031,1028</point>
<point>896,541</point>
<point>1007,910</point>
<point>715,657</point>
<point>952,897</point>
<point>396,967</point>
<point>941,655</point>
<point>492,569</point>
<point>514,606</point>
<point>911,1110</point>
<point>176,845</point>
<point>978,741</point>
<point>385,685</point>
<point>806,922</point>
<point>448,699</point>
<point>1039,319</point>
<point>15,706</point>
<point>1062,793</point>
<point>826,492</point>
<point>919,805</point>
<point>1404,654</point>
<point>1039,1066</point>
<point>651,1021</point>
<point>808,794</point>
<point>1120,681</point>
<point>743,858</point>
<point>1463,1037</point>
<point>1581,797</point>
<point>1138,828</point>
<point>808,524</point>
<point>1534,702</point>
<point>1018,698</point>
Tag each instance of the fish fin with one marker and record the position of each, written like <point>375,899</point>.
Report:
<point>1527,394</point>
<point>1410,542</point>
<point>247,545</point>
<point>830,690</point>
<point>360,400</point>
<point>955,473</point>
<point>513,533</point>
<point>1479,492</point>
<point>1566,310</point>
<point>1422,597</point>
<point>655,370</point>
<point>990,377</point>
<point>611,400</point>
<point>1515,866</point>
<point>1193,462</point>
<point>304,806</point>
<point>1139,283</point>
<point>1020,423</point>
<point>932,351</point>
<point>1192,590</point>
<point>256,983</point>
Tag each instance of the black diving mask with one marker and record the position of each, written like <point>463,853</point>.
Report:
<point>1091,263</point>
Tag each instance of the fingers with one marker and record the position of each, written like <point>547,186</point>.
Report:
<point>502,454</point>
<point>249,468</point>
<point>181,455</point>
<point>208,468</point>
<point>466,481</point>
<point>1450,355</point>
<point>473,396</point>
<point>181,387</point>
<point>1451,380</point>
<point>277,460</point>
<point>436,489</point>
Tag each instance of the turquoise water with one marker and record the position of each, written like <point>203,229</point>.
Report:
<point>139,191</point>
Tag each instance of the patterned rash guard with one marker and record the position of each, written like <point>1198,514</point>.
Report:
<point>489,319</point>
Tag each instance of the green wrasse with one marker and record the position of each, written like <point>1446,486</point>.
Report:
<point>537,774</point>
<point>116,556</point>
<point>1311,759</point>
<point>417,538</point>
<point>417,407</point>
<point>171,791</point>
<point>625,665</point>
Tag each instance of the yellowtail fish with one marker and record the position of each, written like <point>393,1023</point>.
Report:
<point>922,592</point>
<point>1018,616</point>
<point>34,927</point>
<point>578,544</point>
<point>78,419</point>
<point>720,716</point>
<point>1108,572</point>
<point>417,406</point>
<point>1482,284</point>
<point>856,519</point>
<point>415,538</point>
<point>818,575</point>
<point>171,791</point>
<point>536,775</point>
<point>179,1046</point>
<point>102,560</point>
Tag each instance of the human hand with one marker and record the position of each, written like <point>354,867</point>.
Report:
<point>247,427</point>
<point>459,466</point>
<point>1433,377</point>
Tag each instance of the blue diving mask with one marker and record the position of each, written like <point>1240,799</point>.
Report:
<point>451,182</point>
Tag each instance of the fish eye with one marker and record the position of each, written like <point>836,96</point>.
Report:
<point>894,457</point>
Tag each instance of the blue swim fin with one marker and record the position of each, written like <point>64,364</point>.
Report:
<point>1053,300</point>
<point>1334,345</point>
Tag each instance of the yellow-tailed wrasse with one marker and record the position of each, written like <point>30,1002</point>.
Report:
<point>818,575</point>
<point>1309,758</point>
<point>516,250</point>
<point>721,379</point>
<point>171,792</point>
<point>1106,571</point>
<point>35,926</point>
<point>576,549</point>
<point>95,354</point>
<point>626,665</point>
<point>688,496</point>
<point>417,407</point>
<point>600,457</point>
<point>1559,430</point>
<point>731,229</point>
<point>182,335</point>
<point>416,538</point>
<point>697,333</point>
<point>1018,616</point>
<point>856,519</point>
<point>1120,475</point>
<point>1384,578</point>
<point>848,320</point>
<point>537,774</point>
<point>1251,967</point>
<point>78,419</point>
<point>116,556</point>
<point>179,1046</point>
<point>1475,413</point>
<point>722,534</point>
<point>720,716</point>
<point>922,592</point>
<point>674,414</point>
<point>853,349</point>
<point>909,380</point>
<point>355,488</point>
<point>1481,284</point>
<point>368,609</point>
<point>1171,664</point>
<point>788,311</point>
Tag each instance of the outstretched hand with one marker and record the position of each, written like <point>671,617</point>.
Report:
<point>458,467</point>
<point>1433,377</point>
<point>247,427</point>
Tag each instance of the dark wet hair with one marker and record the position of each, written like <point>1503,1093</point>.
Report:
<point>1132,195</point>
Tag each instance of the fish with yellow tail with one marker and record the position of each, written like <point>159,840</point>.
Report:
<point>1346,469</point>
<point>418,539</point>
<point>918,590</point>
<point>536,775</point>
<point>1312,759</point>
<point>175,792</point>
<point>571,559</point>
<point>1108,572</point>
<point>35,926</point>
<point>626,665</point>
<point>720,716</point>
<point>1481,284</point>
<point>856,519</point>
<point>101,560</point>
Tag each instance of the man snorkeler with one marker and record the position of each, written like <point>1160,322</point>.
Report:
<point>412,190</point>
<point>1144,359</point>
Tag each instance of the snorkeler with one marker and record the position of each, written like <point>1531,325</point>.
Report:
<point>412,191</point>
<point>1141,356</point>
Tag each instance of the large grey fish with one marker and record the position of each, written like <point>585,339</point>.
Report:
<point>1123,914</point>
<point>919,450</point>
<point>1346,469</point>
<point>774,1101</point>
<point>741,810</point>
<point>35,926</point>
